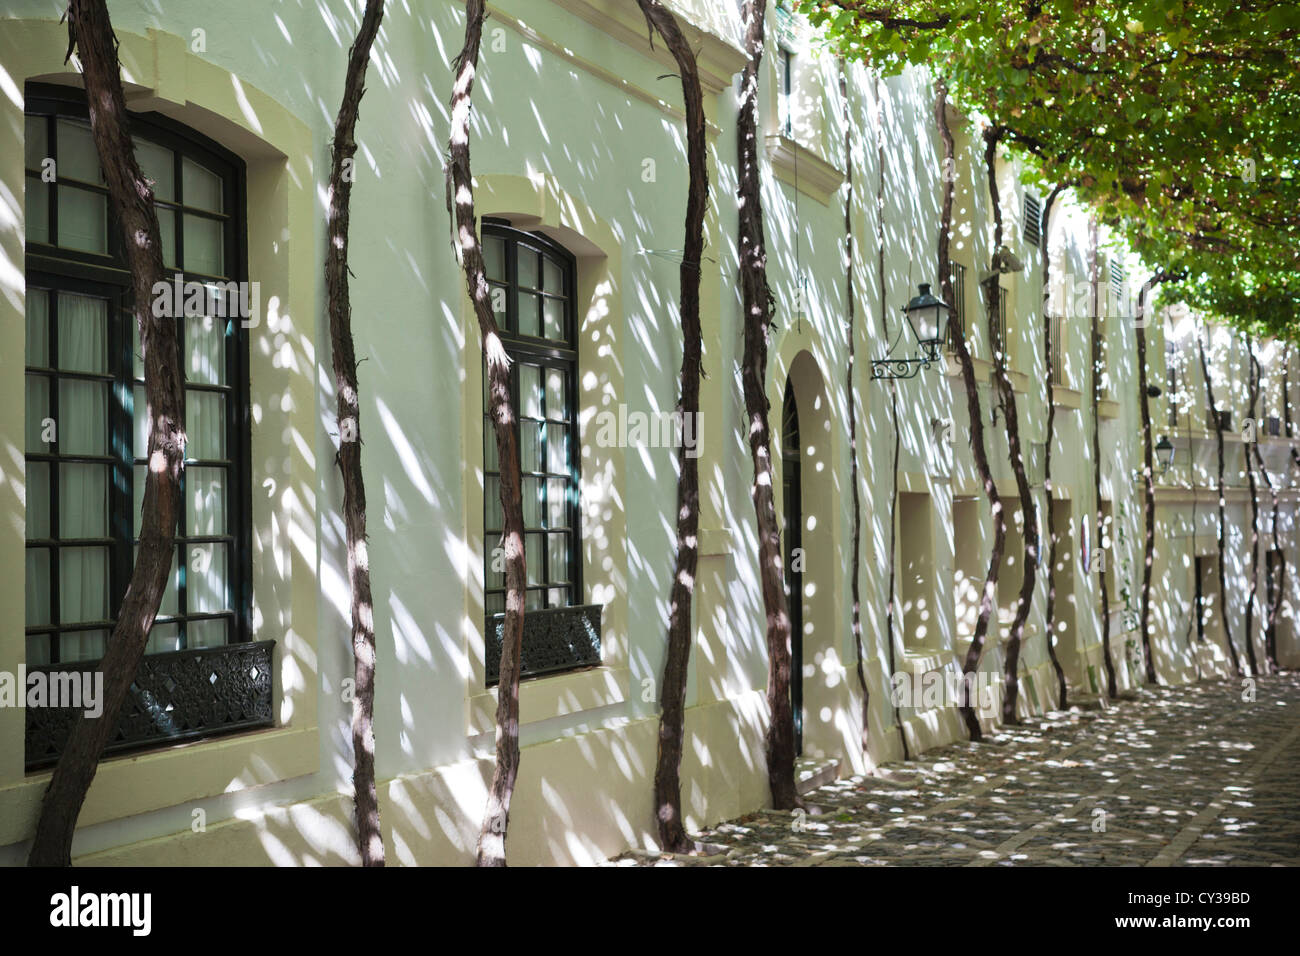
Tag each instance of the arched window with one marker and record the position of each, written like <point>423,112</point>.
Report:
<point>86,423</point>
<point>532,292</point>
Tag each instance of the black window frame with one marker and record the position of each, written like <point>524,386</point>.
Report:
<point>1033,227</point>
<point>54,268</point>
<point>957,316</point>
<point>570,630</point>
<point>786,61</point>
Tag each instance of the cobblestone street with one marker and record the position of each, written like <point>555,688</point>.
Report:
<point>1186,776</point>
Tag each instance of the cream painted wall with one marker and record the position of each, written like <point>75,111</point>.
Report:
<point>570,158</point>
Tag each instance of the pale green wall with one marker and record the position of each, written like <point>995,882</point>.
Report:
<point>537,111</point>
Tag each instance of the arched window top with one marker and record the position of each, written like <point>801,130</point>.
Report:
<point>531,277</point>
<point>197,189</point>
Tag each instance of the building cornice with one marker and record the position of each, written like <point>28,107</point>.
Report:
<point>718,59</point>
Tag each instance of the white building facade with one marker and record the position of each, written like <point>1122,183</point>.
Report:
<point>237,749</point>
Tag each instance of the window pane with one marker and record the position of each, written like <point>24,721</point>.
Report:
<point>557,515</point>
<point>38,410</point>
<point>206,633</point>
<point>528,305</point>
<point>137,360</point>
<point>83,585</point>
<point>205,424</point>
<point>205,350</point>
<point>494,257</point>
<point>38,499</point>
<point>35,141</point>
<point>557,448</point>
<point>164,637</point>
<point>491,578</point>
<point>171,603</point>
<point>204,250</point>
<point>137,490</point>
<point>557,597</point>
<point>530,446</point>
<point>77,156</point>
<point>532,495</point>
<point>158,164</point>
<point>558,554</point>
<point>497,301</point>
<point>202,186</point>
<point>553,319</point>
<point>167,232</point>
<point>83,220</point>
<point>205,583</point>
<point>83,417</point>
<point>490,459</point>
<point>530,391</point>
<point>83,500</point>
<point>82,645</point>
<point>492,515</point>
<point>38,587</point>
<point>527,268</point>
<point>140,421</point>
<point>496,603</point>
<point>556,379</point>
<point>38,328</point>
<point>205,492</point>
<point>38,649</point>
<point>552,276</point>
<point>83,333</point>
<point>534,600</point>
<point>38,210</point>
<point>533,555</point>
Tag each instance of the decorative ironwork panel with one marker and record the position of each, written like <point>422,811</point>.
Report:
<point>555,639</point>
<point>176,696</point>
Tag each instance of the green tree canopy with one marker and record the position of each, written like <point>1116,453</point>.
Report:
<point>1178,124</point>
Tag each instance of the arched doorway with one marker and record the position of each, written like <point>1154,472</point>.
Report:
<point>810,467</point>
<point>792,535</point>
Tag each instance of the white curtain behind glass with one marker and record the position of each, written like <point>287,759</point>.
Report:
<point>83,488</point>
<point>38,496</point>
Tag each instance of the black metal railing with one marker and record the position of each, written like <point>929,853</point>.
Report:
<point>555,639</point>
<point>178,695</point>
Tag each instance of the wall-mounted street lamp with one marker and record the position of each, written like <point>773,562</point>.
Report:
<point>1165,454</point>
<point>927,317</point>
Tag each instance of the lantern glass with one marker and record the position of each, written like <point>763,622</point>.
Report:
<point>928,318</point>
<point>1165,453</point>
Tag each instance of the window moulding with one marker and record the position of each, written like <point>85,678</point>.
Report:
<point>539,203</point>
<point>800,167</point>
<point>1066,397</point>
<point>983,367</point>
<point>212,101</point>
